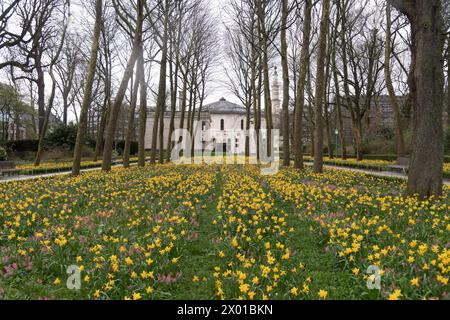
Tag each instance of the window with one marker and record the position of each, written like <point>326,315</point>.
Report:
<point>222,124</point>
<point>242,124</point>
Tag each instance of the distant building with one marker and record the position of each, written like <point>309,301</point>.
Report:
<point>219,116</point>
<point>379,117</point>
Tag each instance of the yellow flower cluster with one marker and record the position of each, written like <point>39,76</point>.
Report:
<point>63,165</point>
<point>257,260</point>
<point>131,232</point>
<point>124,229</point>
<point>375,225</point>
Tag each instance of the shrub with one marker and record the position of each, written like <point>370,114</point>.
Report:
<point>63,136</point>
<point>23,145</point>
<point>3,155</point>
<point>447,141</point>
<point>385,133</point>
<point>120,147</point>
<point>87,151</point>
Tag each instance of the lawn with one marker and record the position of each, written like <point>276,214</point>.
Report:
<point>221,232</point>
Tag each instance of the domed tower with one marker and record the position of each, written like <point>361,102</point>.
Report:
<point>276,102</point>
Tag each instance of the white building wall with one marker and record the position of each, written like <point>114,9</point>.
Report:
<point>149,129</point>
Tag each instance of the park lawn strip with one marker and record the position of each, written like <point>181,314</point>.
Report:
<point>200,258</point>
<point>320,264</point>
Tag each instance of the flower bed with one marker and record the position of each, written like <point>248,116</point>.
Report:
<point>221,232</point>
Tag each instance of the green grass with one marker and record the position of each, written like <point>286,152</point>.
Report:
<point>200,258</point>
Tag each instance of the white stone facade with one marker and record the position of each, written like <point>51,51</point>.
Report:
<point>219,116</point>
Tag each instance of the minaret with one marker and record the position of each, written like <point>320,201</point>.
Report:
<point>276,103</point>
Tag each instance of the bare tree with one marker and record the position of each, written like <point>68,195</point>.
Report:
<point>26,12</point>
<point>240,54</point>
<point>55,48</point>
<point>115,108</point>
<point>301,84</point>
<point>107,56</point>
<point>82,126</point>
<point>267,13</point>
<point>285,67</point>
<point>165,8</point>
<point>426,84</point>
<point>390,87</point>
<point>66,71</point>
<point>28,52</point>
<point>320,88</point>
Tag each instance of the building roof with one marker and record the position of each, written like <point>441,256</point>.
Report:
<point>224,107</point>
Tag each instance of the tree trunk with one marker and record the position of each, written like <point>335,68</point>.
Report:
<point>82,126</point>
<point>327,99</point>
<point>115,110</point>
<point>247,127</point>
<point>301,84</point>
<point>161,100</point>
<point>130,124</point>
<point>101,130</point>
<point>390,87</point>
<point>329,135</point>
<point>448,83</point>
<point>284,63</point>
<point>65,106</point>
<point>266,77</point>
<point>143,108</point>
<point>161,133</point>
<point>173,107</point>
<point>339,119</point>
<point>183,101</point>
<point>320,88</point>
<point>426,85</point>
<point>42,133</point>
<point>255,98</point>
<point>41,93</point>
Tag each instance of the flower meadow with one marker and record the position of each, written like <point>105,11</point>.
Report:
<point>221,232</point>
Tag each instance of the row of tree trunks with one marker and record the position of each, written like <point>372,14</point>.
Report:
<point>115,108</point>
<point>266,78</point>
<point>158,121</point>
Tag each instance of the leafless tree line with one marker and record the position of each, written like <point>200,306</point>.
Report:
<point>339,57</point>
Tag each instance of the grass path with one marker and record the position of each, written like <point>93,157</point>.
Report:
<point>323,267</point>
<point>200,256</point>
